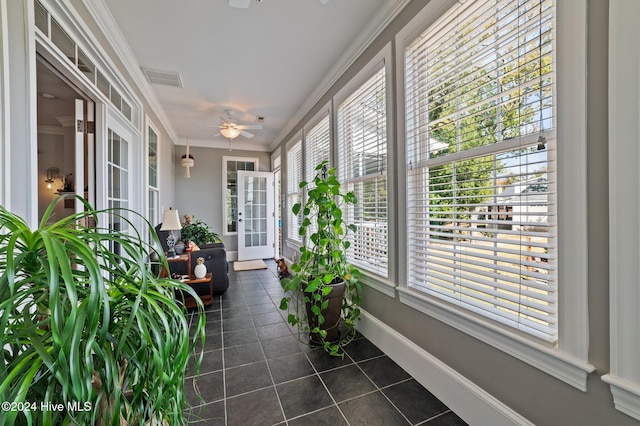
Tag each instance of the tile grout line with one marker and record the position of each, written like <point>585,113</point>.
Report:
<point>317,373</point>
<point>434,417</point>
<point>224,369</point>
<point>266,361</point>
<point>378,389</point>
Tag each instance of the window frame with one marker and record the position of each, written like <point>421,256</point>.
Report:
<point>151,189</point>
<point>383,59</point>
<point>569,360</point>
<point>226,197</point>
<point>295,141</point>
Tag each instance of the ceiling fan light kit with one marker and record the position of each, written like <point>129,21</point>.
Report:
<point>230,132</point>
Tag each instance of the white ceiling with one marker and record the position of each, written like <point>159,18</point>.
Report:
<point>272,59</point>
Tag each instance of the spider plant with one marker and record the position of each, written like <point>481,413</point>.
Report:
<point>86,324</point>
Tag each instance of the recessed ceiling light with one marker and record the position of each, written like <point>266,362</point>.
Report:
<point>48,96</point>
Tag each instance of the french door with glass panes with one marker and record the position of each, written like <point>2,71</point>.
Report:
<point>255,215</point>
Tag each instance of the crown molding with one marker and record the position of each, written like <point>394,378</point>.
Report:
<point>375,27</point>
<point>107,24</point>
<point>235,145</point>
<point>51,130</point>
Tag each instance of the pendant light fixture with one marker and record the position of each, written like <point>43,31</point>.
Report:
<point>187,162</point>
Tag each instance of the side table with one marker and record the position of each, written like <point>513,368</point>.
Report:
<point>188,301</point>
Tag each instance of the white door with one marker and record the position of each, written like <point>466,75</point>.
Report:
<point>255,215</point>
<point>84,153</point>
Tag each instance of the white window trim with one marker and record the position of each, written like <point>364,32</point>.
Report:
<point>569,361</point>
<point>624,210</point>
<point>150,126</point>
<point>225,159</point>
<point>276,161</point>
<point>294,244</point>
<point>385,285</point>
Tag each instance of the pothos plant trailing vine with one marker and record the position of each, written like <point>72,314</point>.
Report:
<point>323,266</point>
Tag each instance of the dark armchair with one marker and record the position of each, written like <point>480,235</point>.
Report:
<point>215,259</point>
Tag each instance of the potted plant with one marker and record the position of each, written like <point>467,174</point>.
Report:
<point>89,334</point>
<point>197,231</point>
<point>322,298</point>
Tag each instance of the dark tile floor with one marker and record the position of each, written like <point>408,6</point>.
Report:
<point>256,372</point>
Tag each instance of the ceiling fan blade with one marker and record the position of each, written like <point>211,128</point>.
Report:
<point>250,126</point>
<point>246,134</point>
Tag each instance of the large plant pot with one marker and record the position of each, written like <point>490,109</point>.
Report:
<point>332,315</point>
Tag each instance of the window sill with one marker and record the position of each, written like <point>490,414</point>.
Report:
<point>626,395</point>
<point>377,283</point>
<point>560,365</point>
<point>293,244</point>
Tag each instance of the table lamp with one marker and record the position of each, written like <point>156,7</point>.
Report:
<point>171,222</point>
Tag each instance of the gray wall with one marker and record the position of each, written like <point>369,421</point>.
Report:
<point>202,195</point>
<point>534,394</point>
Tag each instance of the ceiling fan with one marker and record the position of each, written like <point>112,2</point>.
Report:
<point>231,130</point>
<point>244,4</point>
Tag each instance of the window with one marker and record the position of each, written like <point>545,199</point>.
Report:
<point>362,164</point>
<point>117,184</point>
<point>294,193</point>
<point>480,171</point>
<point>152,176</point>
<point>230,167</point>
<point>316,144</point>
<point>470,100</point>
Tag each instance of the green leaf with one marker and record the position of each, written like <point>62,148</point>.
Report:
<point>284,304</point>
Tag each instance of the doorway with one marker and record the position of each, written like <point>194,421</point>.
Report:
<point>66,160</point>
<point>255,215</point>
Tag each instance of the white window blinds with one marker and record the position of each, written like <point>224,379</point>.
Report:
<point>481,167</point>
<point>316,147</point>
<point>294,193</point>
<point>362,159</point>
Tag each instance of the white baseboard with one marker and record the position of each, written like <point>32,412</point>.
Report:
<point>474,405</point>
<point>232,256</point>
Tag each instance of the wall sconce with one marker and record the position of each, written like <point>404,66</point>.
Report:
<point>52,173</point>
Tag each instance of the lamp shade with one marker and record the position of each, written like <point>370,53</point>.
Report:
<point>230,132</point>
<point>170,221</point>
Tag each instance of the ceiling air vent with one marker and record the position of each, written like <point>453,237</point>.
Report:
<point>167,78</point>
